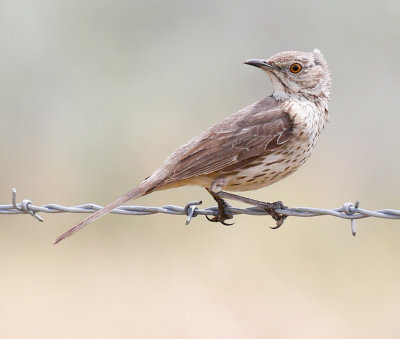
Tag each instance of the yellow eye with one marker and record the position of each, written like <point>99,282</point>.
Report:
<point>295,68</point>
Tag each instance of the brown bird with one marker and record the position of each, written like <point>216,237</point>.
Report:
<point>253,148</point>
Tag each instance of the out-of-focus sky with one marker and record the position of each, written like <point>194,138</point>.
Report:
<point>95,94</point>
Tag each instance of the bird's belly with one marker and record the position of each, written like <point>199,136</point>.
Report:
<point>272,168</point>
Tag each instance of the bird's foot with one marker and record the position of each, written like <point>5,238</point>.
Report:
<point>223,213</point>
<point>270,209</point>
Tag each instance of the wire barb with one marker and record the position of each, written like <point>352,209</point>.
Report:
<point>23,207</point>
<point>190,210</point>
<point>350,209</point>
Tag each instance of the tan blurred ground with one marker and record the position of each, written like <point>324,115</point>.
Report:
<point>93,97</point>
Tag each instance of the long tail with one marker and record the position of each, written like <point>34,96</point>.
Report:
<point>144,188</point>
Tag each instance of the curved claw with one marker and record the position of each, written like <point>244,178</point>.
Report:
<point>277,226</point>
<point>217,218</point>
<point>279,222</point>
<point>227,223</point>
<point>211,219</point>
<point>270,208</point>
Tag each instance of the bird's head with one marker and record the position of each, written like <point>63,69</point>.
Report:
<point>297,73</point>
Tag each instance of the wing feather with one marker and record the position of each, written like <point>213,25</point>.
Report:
<point>234,142</point>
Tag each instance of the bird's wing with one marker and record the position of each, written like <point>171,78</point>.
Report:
<point>234,142</point>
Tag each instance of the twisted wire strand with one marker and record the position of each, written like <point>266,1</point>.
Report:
<point>347,211</point>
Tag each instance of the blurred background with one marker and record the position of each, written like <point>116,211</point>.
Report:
<point>95,94</point>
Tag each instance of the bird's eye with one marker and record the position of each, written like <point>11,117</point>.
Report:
<point>295,68</point>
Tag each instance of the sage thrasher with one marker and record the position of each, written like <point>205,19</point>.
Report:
<point>253,148</point>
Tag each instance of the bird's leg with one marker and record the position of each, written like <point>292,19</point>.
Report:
<point>267,206</point>
<point>222,213</point>
<point>270,209</point>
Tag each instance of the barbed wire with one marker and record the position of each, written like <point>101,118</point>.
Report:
<point>347,211</point>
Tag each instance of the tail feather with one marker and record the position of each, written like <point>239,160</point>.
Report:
<point>137,192</point>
